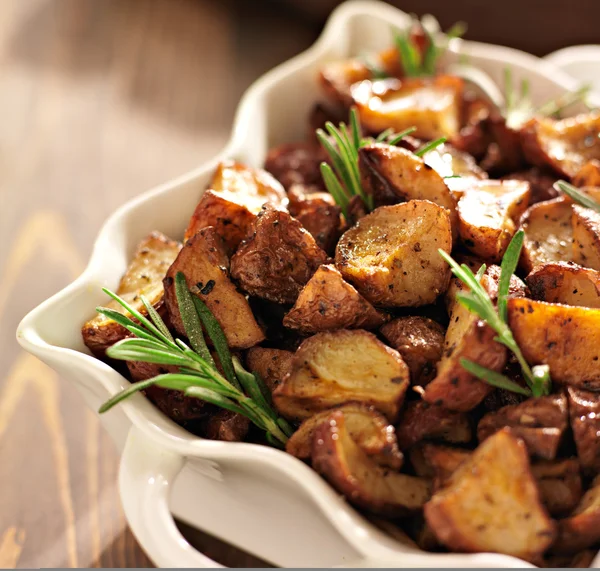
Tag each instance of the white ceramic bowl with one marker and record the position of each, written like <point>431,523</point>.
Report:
<point>580,62</point>
<point>257,498</point>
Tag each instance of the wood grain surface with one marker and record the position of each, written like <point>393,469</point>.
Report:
<point>100,100</point>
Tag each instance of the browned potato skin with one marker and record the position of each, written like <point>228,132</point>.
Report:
<point>487,213</point>
<point>559,483</point>
<point>368,428</point>
<point>491,503</point>
<point>584,410</point>
<point>588,175</point>
<point>582,528</point>
<point>225,425</point>
<point>581,560</point>
<point>278,259</point>
<point>420,341</point>
<point>391,255</point>
<point>442,461</point>
<point>566,283</point>
<point>422,421</point>
<point>564,337</point>
<point>203,260</point>
<point>540,422</point>
<point>548,233</point>
<point>449,161</point>
<point>296,163</point>
<point>337,367</point>
<point>272,365</point>
<point>586,237</point>
<point>327,302</point>
<point>562,144</point>
<point>152,258</point>
<point>350,471</point>
<point>319,214</point>
<point>541,183</point>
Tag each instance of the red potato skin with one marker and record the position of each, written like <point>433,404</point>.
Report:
<point>584,410</point>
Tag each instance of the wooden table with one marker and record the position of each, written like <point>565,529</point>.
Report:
<point>99,100</point>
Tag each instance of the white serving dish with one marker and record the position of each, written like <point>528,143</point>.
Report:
<point>580,62</point>
<point>257,498</point>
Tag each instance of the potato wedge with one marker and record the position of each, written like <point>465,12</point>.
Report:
<point>564,145</point>
<point>586,237</point>
<point>448,161</point>
<point>271,364</point>
<point>422,421</point>
<point>548,233</point>
<point>540,422</point>
<point>420,341</point>
<point>584,410</point>
<point>296,163</point>
<point>327,302</point>
<point>236,195</point>
<point>390,170</point>
<point>144,276</point>
<point>488,214</point>
<point>432,105</point>
<point>588,174</point>
<point>351,472</point>
<point>368,428</point>
<point>559,484</point>
<point>391,255</point>
<point>278,259</point>
<point>437,461</point>
<point>334,368</point>
<point>567,283</point>
<point>564,337</point>
<point>225,425</point>
<point>582,528</point>
<point>541,183</point>
<point>204,263</point>
<point>491,503</point>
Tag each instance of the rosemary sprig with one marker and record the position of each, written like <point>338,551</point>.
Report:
<point>237,390</point>
<point>478,301</point>
<point>554,107</point>
<point>576,194</point>
<point>429,146</point>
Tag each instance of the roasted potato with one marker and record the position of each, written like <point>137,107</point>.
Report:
<point>548,233</point>
<point>541,183</point>
<point>278,259</point>
<point>567,283</point>
<point>449,162</point>
<point>389,170</point>
<point>225,425</point>
<point>328,302</point>
<point>364,483</point>
<point>319,214</point>
<point>564,337</point>
<point>584,411</point>
<point>297,163</point>
<point>368,428</point>
<point>422,421</point>
<point>564,145</point>
<point>203,261</point>
<point>540,422</point>
<point>337,367</point>
<point>432,105</point>
<point>420,341</point>
<point>488,214</point>
<point>438,461</point>
<point>150,262</point>
<point>559,483</point>
<point>588,174</point>
<point>582,528</point>
<point>391,255</point>
<point>491,503</point>
<point>586,237</point>
<point>272,365</point>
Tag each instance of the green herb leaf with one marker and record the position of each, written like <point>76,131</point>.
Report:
<point>431,145</point>
<point>555,106</point>
<point>509,264</point>
<point>493,378</point>
<point>394,139</point>
<point>575,194</point>
<point>156,319</point>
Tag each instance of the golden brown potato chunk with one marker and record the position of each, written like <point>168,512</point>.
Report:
<point>582,528</point>
<point>566,283</point>
<point>438,461</point>
<point>586,237</point>
<point>541,183</point>
<point>432,105</point>
<point>564,145</point>
<point>225,425</point>
<point>278,259</point>
<point>391,255</point>
<point>584,410</point>
<point>420,341</point>
<point>422,421</point>
<point>588,175</point>
<point>364,483</point>
<point>491,503</point>
<point>272,365</point>
<point>368,428</point>
<point>328,302</point>
<point>548,233</point>
<point>540,422</point>
<point>448,162</point>
<point>296,163</point>
<point>487,213</point>
<point>564,337</point>
<point>144,276</point>
<point>386,169</point>
<point>337,367</point>
<point>204,263</point>
<point>559,484</point>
